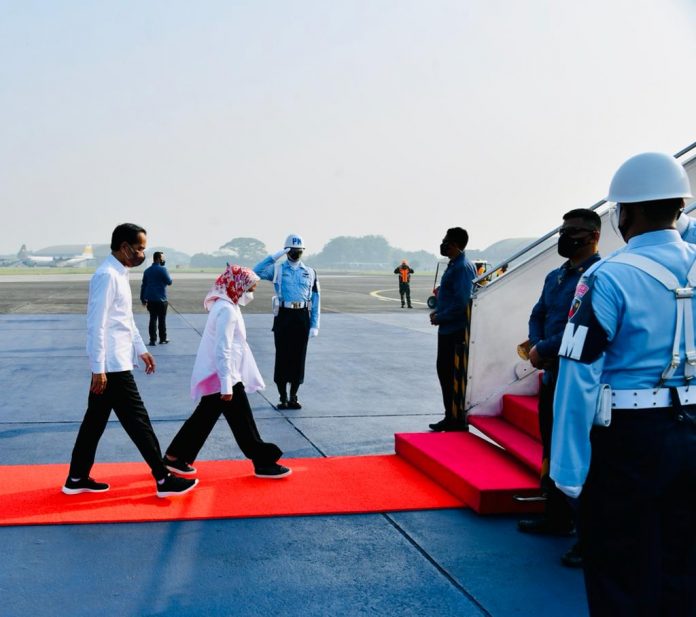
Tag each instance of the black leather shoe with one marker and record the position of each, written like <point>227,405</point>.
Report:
<point>544,526</point>
<point>448,425</point>
<point>282,404</point>
<point>164,342</point>
<point>151,343</point>
<point>438,426</point>
<point>294,403</point>
<point>572,558</point>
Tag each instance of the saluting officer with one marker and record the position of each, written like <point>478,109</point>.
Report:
<point>296,306</point>
<point>632,330</point>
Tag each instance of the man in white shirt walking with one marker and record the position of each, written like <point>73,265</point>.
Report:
<point>113,346</point>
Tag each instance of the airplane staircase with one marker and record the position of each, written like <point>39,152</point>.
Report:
<point>500,457</point>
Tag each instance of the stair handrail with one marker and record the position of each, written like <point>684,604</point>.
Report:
<point>553,232</point>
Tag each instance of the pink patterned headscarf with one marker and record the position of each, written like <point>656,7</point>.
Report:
<point>231,284</point>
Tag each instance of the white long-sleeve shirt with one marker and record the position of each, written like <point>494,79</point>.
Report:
<point>224,357</point>
<point>113,340</point>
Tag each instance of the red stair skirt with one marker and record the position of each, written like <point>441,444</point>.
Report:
<point>477,472</point>
<point>523,412</point>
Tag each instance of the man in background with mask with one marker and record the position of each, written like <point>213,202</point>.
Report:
<point>153,295</point>
<point>296,306</point>
<point>634,466</point>
<point>451,316</point>
<point>113,344</point>
<point>578,243</point>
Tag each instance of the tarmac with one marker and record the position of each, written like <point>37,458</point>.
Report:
<point>370,373</point>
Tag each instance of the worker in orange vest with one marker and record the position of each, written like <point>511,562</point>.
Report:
<point>404,271</point>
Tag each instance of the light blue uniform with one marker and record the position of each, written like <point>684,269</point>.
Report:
<point>295,284</point>
<point>631,319</point>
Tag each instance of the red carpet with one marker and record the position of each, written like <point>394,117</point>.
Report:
<point>30,494</point>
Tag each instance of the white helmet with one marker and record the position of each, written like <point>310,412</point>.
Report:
<point>648,177</point>
<point>293,241</point>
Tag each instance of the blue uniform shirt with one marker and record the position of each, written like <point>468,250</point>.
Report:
<point>629,320</point>
<point>295,284</point>
<point>154,285</point>
<point>454,294</point>
<point>550,314</point>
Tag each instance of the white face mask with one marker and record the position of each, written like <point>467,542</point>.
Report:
<point>246,297</point>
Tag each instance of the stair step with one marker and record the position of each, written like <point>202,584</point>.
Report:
<point>480,474</point>
<point>520,445</point>
<point>522,412</point>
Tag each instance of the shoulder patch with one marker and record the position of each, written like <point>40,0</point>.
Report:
<point>584,339</point>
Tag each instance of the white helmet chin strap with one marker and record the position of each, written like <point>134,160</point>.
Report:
<point>615,217</point>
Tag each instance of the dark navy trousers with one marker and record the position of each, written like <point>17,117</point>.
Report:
<point>638,515</point>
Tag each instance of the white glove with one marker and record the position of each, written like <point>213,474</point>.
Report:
<point>571,491</point>
<point>314,332</point>
<point>279,254</point>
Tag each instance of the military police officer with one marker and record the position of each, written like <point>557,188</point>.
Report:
<point>296,306</point>
<point>624,437</point>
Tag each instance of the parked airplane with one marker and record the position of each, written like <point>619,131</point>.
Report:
<point>54,261</point>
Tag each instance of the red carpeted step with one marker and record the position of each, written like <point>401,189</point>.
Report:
<point>523,447</point>
<point>522,412</point>
<point>475,471</point>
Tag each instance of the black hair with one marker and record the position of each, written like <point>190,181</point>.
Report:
<point>125,232</point>
<point>458,236</point>
<point>157,256</point>
<point>590,217</point>
<point>661,211</point>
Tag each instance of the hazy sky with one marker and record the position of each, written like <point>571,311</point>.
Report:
<point>203,121</point>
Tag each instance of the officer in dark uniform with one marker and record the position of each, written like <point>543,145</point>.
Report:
<point>578,242</point>
<point>451,318</point>
<point>624,437</point>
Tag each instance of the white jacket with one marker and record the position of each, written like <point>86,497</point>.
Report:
<point>224,357</point>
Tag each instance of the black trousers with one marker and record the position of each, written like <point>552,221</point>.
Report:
<point>290,333</point>
<point>121,395</point>
<point>158,319</point>
<point>195,431</point>
<point>557,509</point>
<point>638,515</point>
<point>405,290</point>
<point>446,345</point>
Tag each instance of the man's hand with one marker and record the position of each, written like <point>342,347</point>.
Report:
<point>149,362</point>
<point>433,318</point>
<point>98,384</point>
<point>313,332</point>
<point>534,357</point>
<point>226,397</point>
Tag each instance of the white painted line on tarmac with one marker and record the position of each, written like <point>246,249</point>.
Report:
<point>377,294</point>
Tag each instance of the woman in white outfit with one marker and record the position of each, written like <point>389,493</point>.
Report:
<point>223,373</point>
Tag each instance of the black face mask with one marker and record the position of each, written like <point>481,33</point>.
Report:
<point>627,222</point>
<point>567,246</point>
<point>162,262</point>
<point>444,247</point>
<point>134,260</point>
<point>294,255</point>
